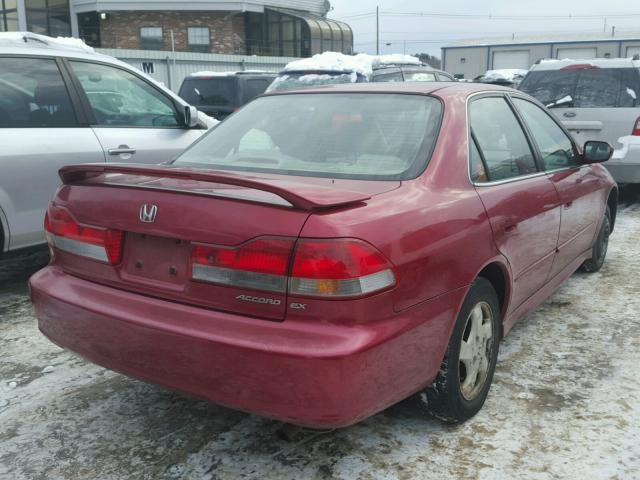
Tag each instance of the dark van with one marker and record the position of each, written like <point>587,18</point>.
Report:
<point>219,94</point>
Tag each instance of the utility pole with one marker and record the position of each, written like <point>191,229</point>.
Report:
<point>377,30</point>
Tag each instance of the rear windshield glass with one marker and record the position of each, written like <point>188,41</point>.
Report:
<point>294,80</point>
<point>209,91</point>
<point>584,88</point>
<point>337,135</point>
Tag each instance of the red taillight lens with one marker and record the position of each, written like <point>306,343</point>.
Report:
<point>261,264</point>
<point>336,268</point>
<point>65,234</point>
<point>339,268</point>
<point>636,128</point>
<point>336,259</point>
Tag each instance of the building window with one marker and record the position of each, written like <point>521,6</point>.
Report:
<point>48,17</point>
<point>8,16</point>
<point>198,39</point>
<point>151,38</point>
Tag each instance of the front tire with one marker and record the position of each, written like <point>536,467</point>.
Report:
<point>462,385</point>
<point>600,246</point>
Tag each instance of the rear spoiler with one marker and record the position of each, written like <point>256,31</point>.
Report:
<point>300,195</point>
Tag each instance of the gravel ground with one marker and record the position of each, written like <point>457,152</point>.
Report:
<point>564,404</point>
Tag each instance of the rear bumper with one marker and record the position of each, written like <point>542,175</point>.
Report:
<point>624,166</point>
<point>318,375</point>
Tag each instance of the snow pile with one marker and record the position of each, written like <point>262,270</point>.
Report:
<point>288,82</point>
<point>333,61</point>
<point>396,59</point>
<point>506,75</point>
<point>33,39</point>
<point>339,62</point>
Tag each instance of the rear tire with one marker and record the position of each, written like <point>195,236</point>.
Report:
<point>600,246</point>
<point>465,376</point>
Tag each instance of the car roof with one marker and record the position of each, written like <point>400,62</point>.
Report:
<point>596,62</point>
<point>244,73</point>
<point>416,88</point>
<point>27,43</point>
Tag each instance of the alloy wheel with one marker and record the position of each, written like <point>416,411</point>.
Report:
<point>476,351</point>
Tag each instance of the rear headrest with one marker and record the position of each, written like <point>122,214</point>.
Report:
<point>50,95</point>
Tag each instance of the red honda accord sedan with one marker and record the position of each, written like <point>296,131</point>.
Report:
<point>325,253</point>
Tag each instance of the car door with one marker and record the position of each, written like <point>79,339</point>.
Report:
<point>577,185</point>
<point>42,128</point>
<point>134,120</point>
<point>521,202</point>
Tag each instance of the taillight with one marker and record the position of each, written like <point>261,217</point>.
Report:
<point>64,233</point>
<point>339,268</point>
<point>335,268</point>
<point>261,264</point>
<point>636,128</point>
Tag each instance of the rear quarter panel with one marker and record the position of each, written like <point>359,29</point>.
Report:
<point>434,228</point>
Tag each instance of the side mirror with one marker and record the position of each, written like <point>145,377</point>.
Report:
<point>596,152</point>
<point>190,116</point>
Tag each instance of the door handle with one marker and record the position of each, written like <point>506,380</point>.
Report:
<point>122,150</point>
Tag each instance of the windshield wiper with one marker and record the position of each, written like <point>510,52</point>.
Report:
<point>563,102</point>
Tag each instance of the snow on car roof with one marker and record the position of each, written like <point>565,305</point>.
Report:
<point>506,74</point>
<point>18,39</point>
<point>361,63</point>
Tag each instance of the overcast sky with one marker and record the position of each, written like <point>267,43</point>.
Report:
<point>428,34</point>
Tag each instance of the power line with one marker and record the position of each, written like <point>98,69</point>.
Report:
<point>391,13</point>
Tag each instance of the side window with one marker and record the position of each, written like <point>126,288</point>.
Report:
<point>554,145</point>
<point>501,140</point>
<point>33,94</point>
<point>419,77</point>
<point>120,99</point>
<point>443,77</point>
<point>389,77</point>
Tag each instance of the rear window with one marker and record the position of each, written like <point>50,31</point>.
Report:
<point>587,88</point>
<point>219,92</point>
<point>337,135</point>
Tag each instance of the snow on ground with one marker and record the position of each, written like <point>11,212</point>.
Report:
<point>564,404</point>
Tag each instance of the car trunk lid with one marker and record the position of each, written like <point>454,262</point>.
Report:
<point>166,212</point>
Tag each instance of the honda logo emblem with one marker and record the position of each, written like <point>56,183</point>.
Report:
<point>148,213</point>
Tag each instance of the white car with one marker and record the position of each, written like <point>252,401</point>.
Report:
<point>62,103</point>
<point>596,99</point>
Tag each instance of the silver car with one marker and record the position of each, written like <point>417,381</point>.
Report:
<point>61,103</point>
<point>597,99</point>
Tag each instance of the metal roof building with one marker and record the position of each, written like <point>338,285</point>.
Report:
<point>468,59</point>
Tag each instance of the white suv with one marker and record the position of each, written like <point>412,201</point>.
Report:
<point>62,103</point>
<point>596,99</point>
